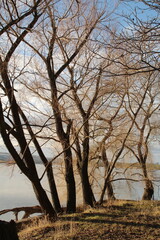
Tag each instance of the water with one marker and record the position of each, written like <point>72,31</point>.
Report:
<point>16,190</point>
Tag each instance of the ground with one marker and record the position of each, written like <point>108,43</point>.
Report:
<point>118,220</point>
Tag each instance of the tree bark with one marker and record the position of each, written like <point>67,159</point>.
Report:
<point>53,189</point>
<point>110,192</point>
<point>65,143</point>
<point>88,197</point>
<point>149,189</point>
<point>70,181</point>
<point>43,199</point>
<point>109,187</point>
<point>83,158</point>
<point>29,170</point>
<point>48,165</point>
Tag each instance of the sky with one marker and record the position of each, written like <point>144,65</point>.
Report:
<point>125,8</point>
<point>129,7</point>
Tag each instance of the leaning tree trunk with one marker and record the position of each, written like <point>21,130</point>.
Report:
<point>109,186</point>
<point>27,165</point>
<point>149,189</point>
<point>43,199</point>
<point>110,191</point>
<point>41,194</point>
<point>106,187</point>
<point>25,162</point>
<point>53,189</point>
<point>47,164</point>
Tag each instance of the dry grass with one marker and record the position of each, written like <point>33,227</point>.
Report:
<point>35,228</point>
<point>118,220</point>
<point>64,229</point>
<point>44,229</point>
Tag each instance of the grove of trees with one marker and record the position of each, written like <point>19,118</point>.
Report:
<point>81,77</point>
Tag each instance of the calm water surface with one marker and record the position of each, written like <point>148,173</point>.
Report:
<point>16,190</point>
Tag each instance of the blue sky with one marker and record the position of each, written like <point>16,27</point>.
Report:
<point>130,7</point>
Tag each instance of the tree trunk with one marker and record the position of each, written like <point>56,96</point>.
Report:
<point>110,191</point>
<point>149,189</point>
<point>108,184</point>
<point>70,181</point>
<point>53,189</point>
<point>104,189</point>
<point>48,165</point>
<point>65,143</point>
<point>8,230</point>
<point>43,200</point>
<point>29,170</point>
<point>88,197</point>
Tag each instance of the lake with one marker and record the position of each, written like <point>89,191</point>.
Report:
<point>16,190</point>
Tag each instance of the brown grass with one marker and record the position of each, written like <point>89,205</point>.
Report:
<point>118,220</point>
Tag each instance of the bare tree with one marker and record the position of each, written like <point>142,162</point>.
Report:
<point>20,19</point>
<point>138,143</point>
<point>56,50</point>
<point>105,145</point>
<point>139,39</point>
<point>119,127</point>
<point>135,51</point>
<point>85,106</point>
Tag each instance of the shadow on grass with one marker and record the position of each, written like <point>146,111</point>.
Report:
<point>125,215</point>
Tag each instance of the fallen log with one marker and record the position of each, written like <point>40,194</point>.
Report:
<point>27,211</point>
<point>8,230</point>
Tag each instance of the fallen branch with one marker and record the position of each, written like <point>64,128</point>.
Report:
<point>27,211</point>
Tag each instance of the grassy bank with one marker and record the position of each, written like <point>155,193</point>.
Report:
<point>118,220</point>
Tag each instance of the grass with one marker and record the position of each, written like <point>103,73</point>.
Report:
<point>117,220</point>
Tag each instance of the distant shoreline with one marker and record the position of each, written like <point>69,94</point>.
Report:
<point>125,165</point>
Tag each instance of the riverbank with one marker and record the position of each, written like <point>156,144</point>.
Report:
<point>118,220</point>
